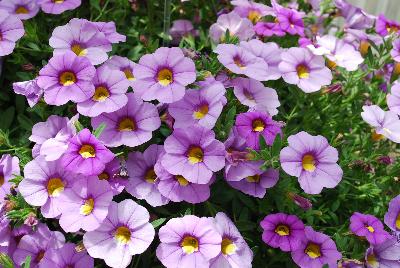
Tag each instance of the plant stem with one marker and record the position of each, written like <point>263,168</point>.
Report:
<point>167,20</point>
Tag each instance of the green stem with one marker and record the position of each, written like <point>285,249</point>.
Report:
<point>102,10</point>
<point>167,20</point>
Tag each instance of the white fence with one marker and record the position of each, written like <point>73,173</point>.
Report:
<point>388,7</point>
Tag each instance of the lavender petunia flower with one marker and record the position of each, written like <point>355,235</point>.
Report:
<point>110,31</point>
<point>67,77</point>
<point>300,67</point>
<point>124,65</point>
<point>11,30</point>
<point>188,242</point>
<point>313,161</point>
<point>111,174</point>
<point>234,250</point>
<point>193,153</point>
<point>59,6</point>
<point>109,95</point>
<point>23,9</point>
<point>30,90</point>
<point>316,249</point>
<point>355,17</point>
<point>66,256</point>
<point>86,155</point>
<point>9,168</point>
<point>384,255</point>
<point>83,38</point>
<point>143,181</point>
<point>384,26</point>
<point>163,75</point>
<point>132,125</point>
<point>368,226</point>
<point>395,52</point>
<point>241,28</point>
<point>125,232</point>
<point>283,231</point>
<point>392,216</point>
<point>181,28</point>
<point>393,99</point>
<point>251,10</point>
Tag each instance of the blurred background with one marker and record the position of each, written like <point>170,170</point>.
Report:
<point>388,7</point>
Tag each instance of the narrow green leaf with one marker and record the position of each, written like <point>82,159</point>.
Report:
<point>27,263</point>
<point>7,118</point>
<point>158,222</point>
<point>97,132</point>
<point>6,261</point>
<point>78,126</point>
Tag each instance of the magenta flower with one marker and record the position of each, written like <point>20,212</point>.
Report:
<point>392,216</point>
<point>300,67</point>
<point>241,28</point>
<point>58,7</point>
<point>23,9</point>
<point>124,65</point>
<point>251,10</point>
<point>86,155</point>
<point>234,250</point>
<point>290,21</point>
<point>111,175</point>
<point>316,249</point>
<point>201,107</point>
<point>193,153</point>
<point>11,30</point>
<point>268,29</point>
<point>384,26</point>
<point>66,257</point>
<point>30,90</point>
<point>384,255</point>
<point>125,232</point>
<point>368,226</point>
<point>143,180</point>
<point>188,242</point>
<point>163,75</point>
<point>132,125</point>
<point>109,95</point>
<point>9,168</point>
<point>83,38</point>
<point>67,77</point>
<point>393,99</point>
<point>110,31</point>
<point>313,161</point>
<point>282,231</point>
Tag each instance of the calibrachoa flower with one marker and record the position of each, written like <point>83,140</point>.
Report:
<point>355,17</point>
<point>395,52</point>
<point>393,99</point>
<point>143,181</point>
<point>384,255</point>
<point>251,125</point>
<point>189,241</point>
<point>193,153</point>
<point>124,65</point>
<point>110,31</point>
<point>125,232</point>
<point>30,90</point>
<point>23,9</point>
<point>201,107</point>
<point>234,250</point>
<point>313,161</point>
<point>86,155</point>
<point>300,67</point>
<point>386,123</point>
<point>9,168</point>
<point>316,249</point>
<point>11,30</point>
<point>368,226</point>
<point>268,29</point>
<point>67,77</point>
<point>66,257</point>
<point>44,184</point>
<point>290,20</point>
<point>251,10</point>
<point>59,6</point>
<point>111,174</point>
<point>283,231</point>
<point>385,26</point>
<point>109,95</point>
<point>132,125</point>
<point>241,28</point>
<point>181,28</point>
<point>163,75</point>
<point>392,216</point>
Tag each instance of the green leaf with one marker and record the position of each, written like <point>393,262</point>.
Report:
<point>25,122</point>
<point>27,263</point>
<point>7,118</point>
<point>263,144</point>
<point>6,261</point>
<point>78,126</point>
<point>97,132</point>
<point>158,222</point>
<point>276,146</point>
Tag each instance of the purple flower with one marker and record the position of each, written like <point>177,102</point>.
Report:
<point>392,216</point>
<point>188,242</point>
<point>350,264</point>
<point>193,153</point>
<point>199,106</point>
<point>124,65</point>
<point>316,249</point>
<point>384,255</point>
<point>109,95</point>
<point>181,28</point>
<point>86,155</point>
<point>11,30</point>
<point>67,77</point>
<point>143,181</point>
<point>300,201</point>
<point>393,99</point>
<point>251,10</point>
<point>313,161</point>
<point>23,9</point>
<point>241,61</point>
<point>256,96</point>
<point>132,125</point>
<point>268,29</point>
<point>30,90</point>
<point>110,31</point>
<point>290,21</point>
<point>234,250</point>
<point>300,67</point>
<point>111,174</point>
<point>385,26</point>
<point>251,125</point>
<point>125,232</point>
<point>355,17</point>
<point>66,257</point>
<point>282,231</point>
<point>58,7</point>
<point>163,75</point>
<point>9,168</point>
<point>241,28</point>
<point>368,226</point>
<point>83,38</point>
<point>395,53</point>
<point>44,185</point>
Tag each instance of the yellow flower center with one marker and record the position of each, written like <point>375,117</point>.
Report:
<point>123,235</point>
<point>101,94</point>
<point>190,244</point>
<point>150,176</point>
<point>78,50</point>
<point>21,10</point>
<point>58,1</point>
<point>398,222</point>
<point>372,261</point>
<point>282,230</point>
<point>195,155</point>
<point>396,69</point>
<point>228,247</point>
<point>104,176</point>
<point>129,75</point>
<point>87,151</point>
<point>181,180</point>
<point>164,77</point>
<point>87,207</point>
<point>254,16</point>
<point>392,28</point>
<point>308,162</point>
<point>67,78</point>
<point>370,229</point>
<point>313,250</point>
<point>364,46</point>
<point>239,63</point>
<point>2,180</point>
<point>201,112</point>
<point>126,124</point>
<point>39,256</point>
<point>258,125</point>
<point>302,71</point>
<point>377,137</point>
<point>55,187</point>
<point>331,64</point>
<point>254,178</point>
